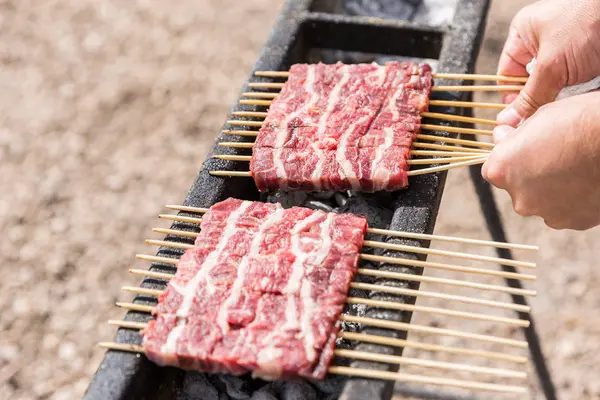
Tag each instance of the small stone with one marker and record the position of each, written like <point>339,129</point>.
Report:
<point>59,225</point>
<point>92,41</point>
<point>20,306</point>
<point>50,341</point>
<point>8,352</point>
<point>28,252</point>
<point>115,183</point>
<point>67,351</point>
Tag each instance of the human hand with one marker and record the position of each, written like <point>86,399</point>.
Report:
<point>564,37</point>
<point>550,165</point>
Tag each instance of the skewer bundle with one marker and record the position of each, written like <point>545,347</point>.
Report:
<point>180,239</point>
<point>453,153</point>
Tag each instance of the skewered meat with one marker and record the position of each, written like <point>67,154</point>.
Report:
<point>261,292</point>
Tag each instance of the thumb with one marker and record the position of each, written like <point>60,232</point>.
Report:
<point>541,88</point>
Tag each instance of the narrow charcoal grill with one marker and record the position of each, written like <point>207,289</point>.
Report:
<point>351,31</point>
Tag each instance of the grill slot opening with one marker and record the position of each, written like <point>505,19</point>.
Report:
<point>391,9</point>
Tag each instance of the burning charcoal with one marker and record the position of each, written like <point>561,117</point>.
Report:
<point>323,195</point>
<point>235,386</point>
<point>298,391</point>
<point>400,9</point>
<point>377,215</point>
<point>317,205</point>
<point>340,199</point>
<point>286,199</point>
<point>331,387</point>
<point>197,386</point>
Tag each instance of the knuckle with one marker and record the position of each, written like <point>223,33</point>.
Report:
<point>522,208</point>
<point>528,102</point>
<point>554,224</point>
<point>495,174</point>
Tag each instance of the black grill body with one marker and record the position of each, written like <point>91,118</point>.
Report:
<point>312,31</point>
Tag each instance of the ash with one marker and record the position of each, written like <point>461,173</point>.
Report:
<point>435,12</point>
<point>427,12</point>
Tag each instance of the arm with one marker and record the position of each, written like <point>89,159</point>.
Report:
<point>550,165</point>
<point>564,36</point>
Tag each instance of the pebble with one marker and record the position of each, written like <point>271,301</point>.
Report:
<point>67,351</point>
<point>8,351</point>
<point>20,305</point>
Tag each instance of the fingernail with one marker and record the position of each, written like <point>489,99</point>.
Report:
<point>501,131</point>
<point>484,168</point>
<point>509,116</point>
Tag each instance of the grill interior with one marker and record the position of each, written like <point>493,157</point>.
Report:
<point>312,31</point>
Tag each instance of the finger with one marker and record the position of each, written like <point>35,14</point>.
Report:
<point>501,132</point>
<point>541,88</point>
<point>484,170</point>
<point>493,170</point>
<point>515,56</point>
<point>509,97</point>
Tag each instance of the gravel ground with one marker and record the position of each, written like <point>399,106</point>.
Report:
<point>108,109</point>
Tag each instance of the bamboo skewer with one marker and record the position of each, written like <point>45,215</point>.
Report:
<point>394,376</point>
<point>472,143</point>
<point>250,145</point>
<point>379,274</point>
<point>457,88</point>
<point>445,281</point>
<point>377,339</point>
<point>403,326</point>
<point>232,174</point>
<point>418,278</point>
<point>442,296</point>
<point>423,171</point>
<point>405,248</point>
<point>401,360</point>
<point>438,153</point>
<point>255,102</point>
<point>434,146</point>
<point>447,167</point>
<point>440,103</point>
<point>464,104</point>
<point>376,231</point>
<point>369,302</point>
<point>381,323</point>
<point>446,253</point>
<point>458,152</point>
<point>426,161</point>
<point>263,95</point>
<point>389,341</point>
<point>439,75</point>
<point>467,131</point>
<point>390,246</point>
<point>460,118</point>
<point>393,260</point>
<point>359,355</point>
<point>408,378</point>
<point>425,114</point>
<point>388,289</point>
<point>447,267</point>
